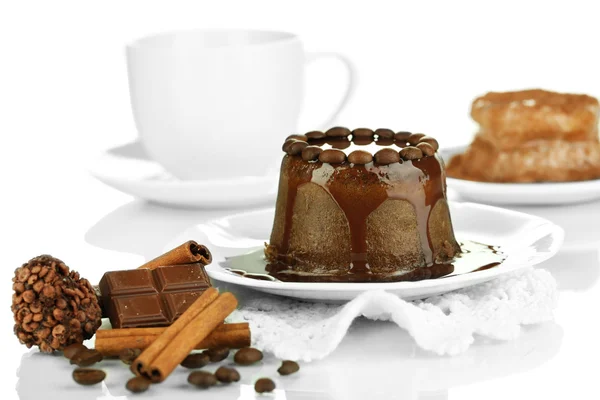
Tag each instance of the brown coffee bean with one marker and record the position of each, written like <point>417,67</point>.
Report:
<point>28,296</point>
<point>264,385</point>
<point>303,138</point>
<point>384,133</point>
<point>338,131</point>
<point>311,153</point>
<point>287,144</point>
<point>341,143</point>
<point>414,138</point>
<point>38,286</point>
<point>58,314</point>
<point>18,287</point>
<point>411,153</point>
<point>196,360</point>
<point>426,148</point>
<point>315,135</point>
<point>36,307</point>
<point>360,157</point>
<point>217,354</point>
<point>227,375</point>
<point>362,132</point>
<point>202,379</point>
<point>288,367</point>
<point>23,274</point>
<point>138,384</point>
<point>296,148</point>
<point>85,358</point>
<point>70,351</point>
<point>363,141</point>
<point>384,142</point>
<point>88,376</point>
<point>387,156</point>
<point>428,139</point>
<point>61,303</point>
<point>332,156</point>
<point>247,356</point>
<point>127,355</point>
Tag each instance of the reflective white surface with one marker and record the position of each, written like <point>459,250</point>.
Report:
<point>547,360</point>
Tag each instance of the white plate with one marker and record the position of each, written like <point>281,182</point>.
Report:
<point>522,193</point>
<point>128,169</point>
<point>525,239</point>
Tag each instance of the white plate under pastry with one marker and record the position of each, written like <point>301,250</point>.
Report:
<point>544,193</point>
<point>128,169</point>
<point>524,239</point>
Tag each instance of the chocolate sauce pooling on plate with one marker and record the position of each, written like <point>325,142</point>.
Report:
<point>475,257</point>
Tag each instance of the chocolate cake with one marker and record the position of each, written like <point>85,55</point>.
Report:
<point>361,206</point>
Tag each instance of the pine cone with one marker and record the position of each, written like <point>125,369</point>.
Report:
<point>52,306</point>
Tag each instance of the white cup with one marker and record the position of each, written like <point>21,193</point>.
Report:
<point>218,104</point>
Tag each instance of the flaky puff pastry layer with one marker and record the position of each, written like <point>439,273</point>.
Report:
<point>511,119</point>
<point>536,161</point>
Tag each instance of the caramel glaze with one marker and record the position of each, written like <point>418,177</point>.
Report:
<point>360,189</point>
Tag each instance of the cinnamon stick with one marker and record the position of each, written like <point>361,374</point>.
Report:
<point>173,350</point>
<point>110,342</point>
<point>172,331</point>
<point>186,253</point>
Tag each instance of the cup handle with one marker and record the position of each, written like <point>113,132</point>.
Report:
<point>351,85</point>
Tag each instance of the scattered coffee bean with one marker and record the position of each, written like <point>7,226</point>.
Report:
<point>197,360</point>
<point>303,138</point>
<point>411,153</point>
<point>428,139</point>
<point>247,356</point>
<point>288,367</point>
<point>315,135</point>
<point>426,148</point>
<point>217,354</point>
<point>338,131</point>
<point>202,379</point>
<point>138,384</point>
<point>264,385</point>
<point>384,133</point>
<point>73,349</point>
<point>360,157</point>
<point>227,375</point>
<point>332,156</point>
<point>402,136</point>
<point>414,138</point>
<point>362,132</point>
<point>387,156</point>
<point>311,153</point>
<point>296,148</point>
<point>129,355</point>
<point>85,358</point>
<point>88,376</point>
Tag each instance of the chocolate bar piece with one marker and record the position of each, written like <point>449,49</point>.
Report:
<point>150,298</point>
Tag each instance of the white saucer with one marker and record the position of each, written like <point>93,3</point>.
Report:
<point>127,168</point>
<point>525,239</point>
<point>522,193</point>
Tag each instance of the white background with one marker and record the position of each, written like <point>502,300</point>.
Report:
<point>64,99</point>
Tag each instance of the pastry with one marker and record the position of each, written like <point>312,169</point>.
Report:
<point>532,136</point>
<point>508,120</point>
<point>361,206</point>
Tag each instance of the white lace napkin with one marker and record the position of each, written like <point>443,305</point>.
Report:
<point>444,324</point>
